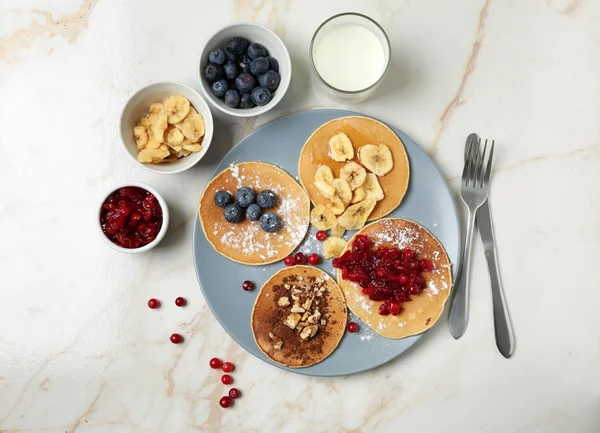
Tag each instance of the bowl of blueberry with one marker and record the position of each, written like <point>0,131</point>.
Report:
<point>245,69</point>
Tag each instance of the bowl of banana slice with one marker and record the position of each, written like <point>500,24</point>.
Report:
<point>166,127</point>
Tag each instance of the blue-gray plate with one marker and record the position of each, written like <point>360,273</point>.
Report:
<point>428,202</point>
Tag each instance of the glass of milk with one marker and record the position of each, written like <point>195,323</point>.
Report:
<point>350,55</point>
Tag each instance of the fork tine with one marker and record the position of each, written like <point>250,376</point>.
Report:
<point>474,162</point>
<point>488,170</point>
<point>465,174</point>
<point>481,170</point>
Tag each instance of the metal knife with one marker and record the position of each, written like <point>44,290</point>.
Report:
<point>505,338</point>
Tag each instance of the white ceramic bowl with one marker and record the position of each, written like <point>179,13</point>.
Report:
<point>137,107</point>
<point>254,33</point>
<point>163,228</point>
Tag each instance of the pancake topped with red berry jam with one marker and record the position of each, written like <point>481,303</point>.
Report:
<point>396,277</point>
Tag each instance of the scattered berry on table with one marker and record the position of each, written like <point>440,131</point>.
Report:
<point>270,222</point>
<point>352,327</point>
<point>234,393</point>
<point>232,98</point>
<point>223,198</point>
<point>225,401</point>
<point>266,199</point>
<point>217,56</point>
<point>314,259</point>
<point>321,235</point>
<point>259,66</point>
<point>261,96</point>
<point>176,338</point>
<point>180,302</point>
<point>153,303</point>
<point>289,261</point>
<point>269,80</point>
<point>245,196</point>
<point>227,367</point>
<point>300,258</point>
<point>219,88</point>
<point>247,285</point>
<point>215,363</point>
<point>254,212</point>
<point>213,72</point>
<point>226,379</point>
<point>233,213</point>
<point>256,50</point>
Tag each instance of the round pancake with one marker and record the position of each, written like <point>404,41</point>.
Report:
<point>269,317</point>
<point>361,131</point>
<point>424,310</point>
<point>246,242</point>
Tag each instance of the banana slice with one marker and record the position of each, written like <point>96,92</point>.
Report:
<point>326,189</point>
<point>333,247</point>
<point>336,205</point>
<point>342,190</point>
<point>195,147</point>
<point>358,194</point>
<point>171,158</point>
<point>377,158</point>
<point>337,230</point>
<point>153,155</point>
<point>182,153</point>
<point>324,174</point>
<point>340,147</point>
<point>155,109</point>
<point>372,188</point>
<point>354,174</point>
<point>355,217</point>
<point>158,127</point>
<point>177,108</point>
<point>152,143</point>
<point>193,128</point>
<point>322,218</point>
<point>174,137</point>
<point>141,136</point>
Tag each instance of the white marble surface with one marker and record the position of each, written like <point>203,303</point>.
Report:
<point>79,349</point>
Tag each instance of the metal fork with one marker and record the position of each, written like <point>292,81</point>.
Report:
<point>474,192</point>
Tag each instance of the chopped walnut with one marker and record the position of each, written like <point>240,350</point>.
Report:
<point>301,325</point>
<point>292,320</point>
<point>278,345</point>
<point>308,332</point>
<point>315,317</point>
<point>287,286</point>
<point>284,301</point>
<point>323,322</point>
<point>305,315</point>
<point>271,335</point>
<point>295,297</point>
<point>307,304</point>
<point>297,309</point>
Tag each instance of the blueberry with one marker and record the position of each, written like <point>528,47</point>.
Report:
<point>231,70</point>
<point>259,66</point>
<point>217,56</point>
<point>237,45</point>
<point>246,101</point>
<point>261,96</point>
<point>245,82</point>
<point>213,72</point>
<point>270,80</point>
<point>219,88</point>
<point>257,50</point>
<point>244,63</point>
<point>232,98</point>
<point>233,213</point>
<point>245,196</point>
<point>253,212</point>
<point>222,198</point>
<point>230,56</point>
<point>273,63</point>
<point>270,222</point>
<point>266,199</point>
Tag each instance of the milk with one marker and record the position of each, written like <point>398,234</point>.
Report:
<point>349,57</point>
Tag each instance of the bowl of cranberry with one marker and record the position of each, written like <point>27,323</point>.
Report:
<point>132,217</point>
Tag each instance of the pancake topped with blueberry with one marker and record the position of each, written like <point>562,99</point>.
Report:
<point>254,213</point>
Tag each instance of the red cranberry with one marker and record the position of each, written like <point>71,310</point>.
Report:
<point>226,379</point>
<point>383,309</point>
<point>403,279</point>
<point>153,303</point>
<point>176,338</point>
<point>352,327</point>
<point>321,235</point>
<point>408,254</point>
<point>300,258</point>
<point>215,363</point>
<point>426,265</point>
<point>180,302</point>
<point>225,401</point>
<point>247,285</point>
<point>289,261</point>
<point>314,259</point>
<point>227,367</point>
<point>234,393</point>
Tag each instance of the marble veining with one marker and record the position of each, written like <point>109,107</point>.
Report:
<point>81,352</point>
